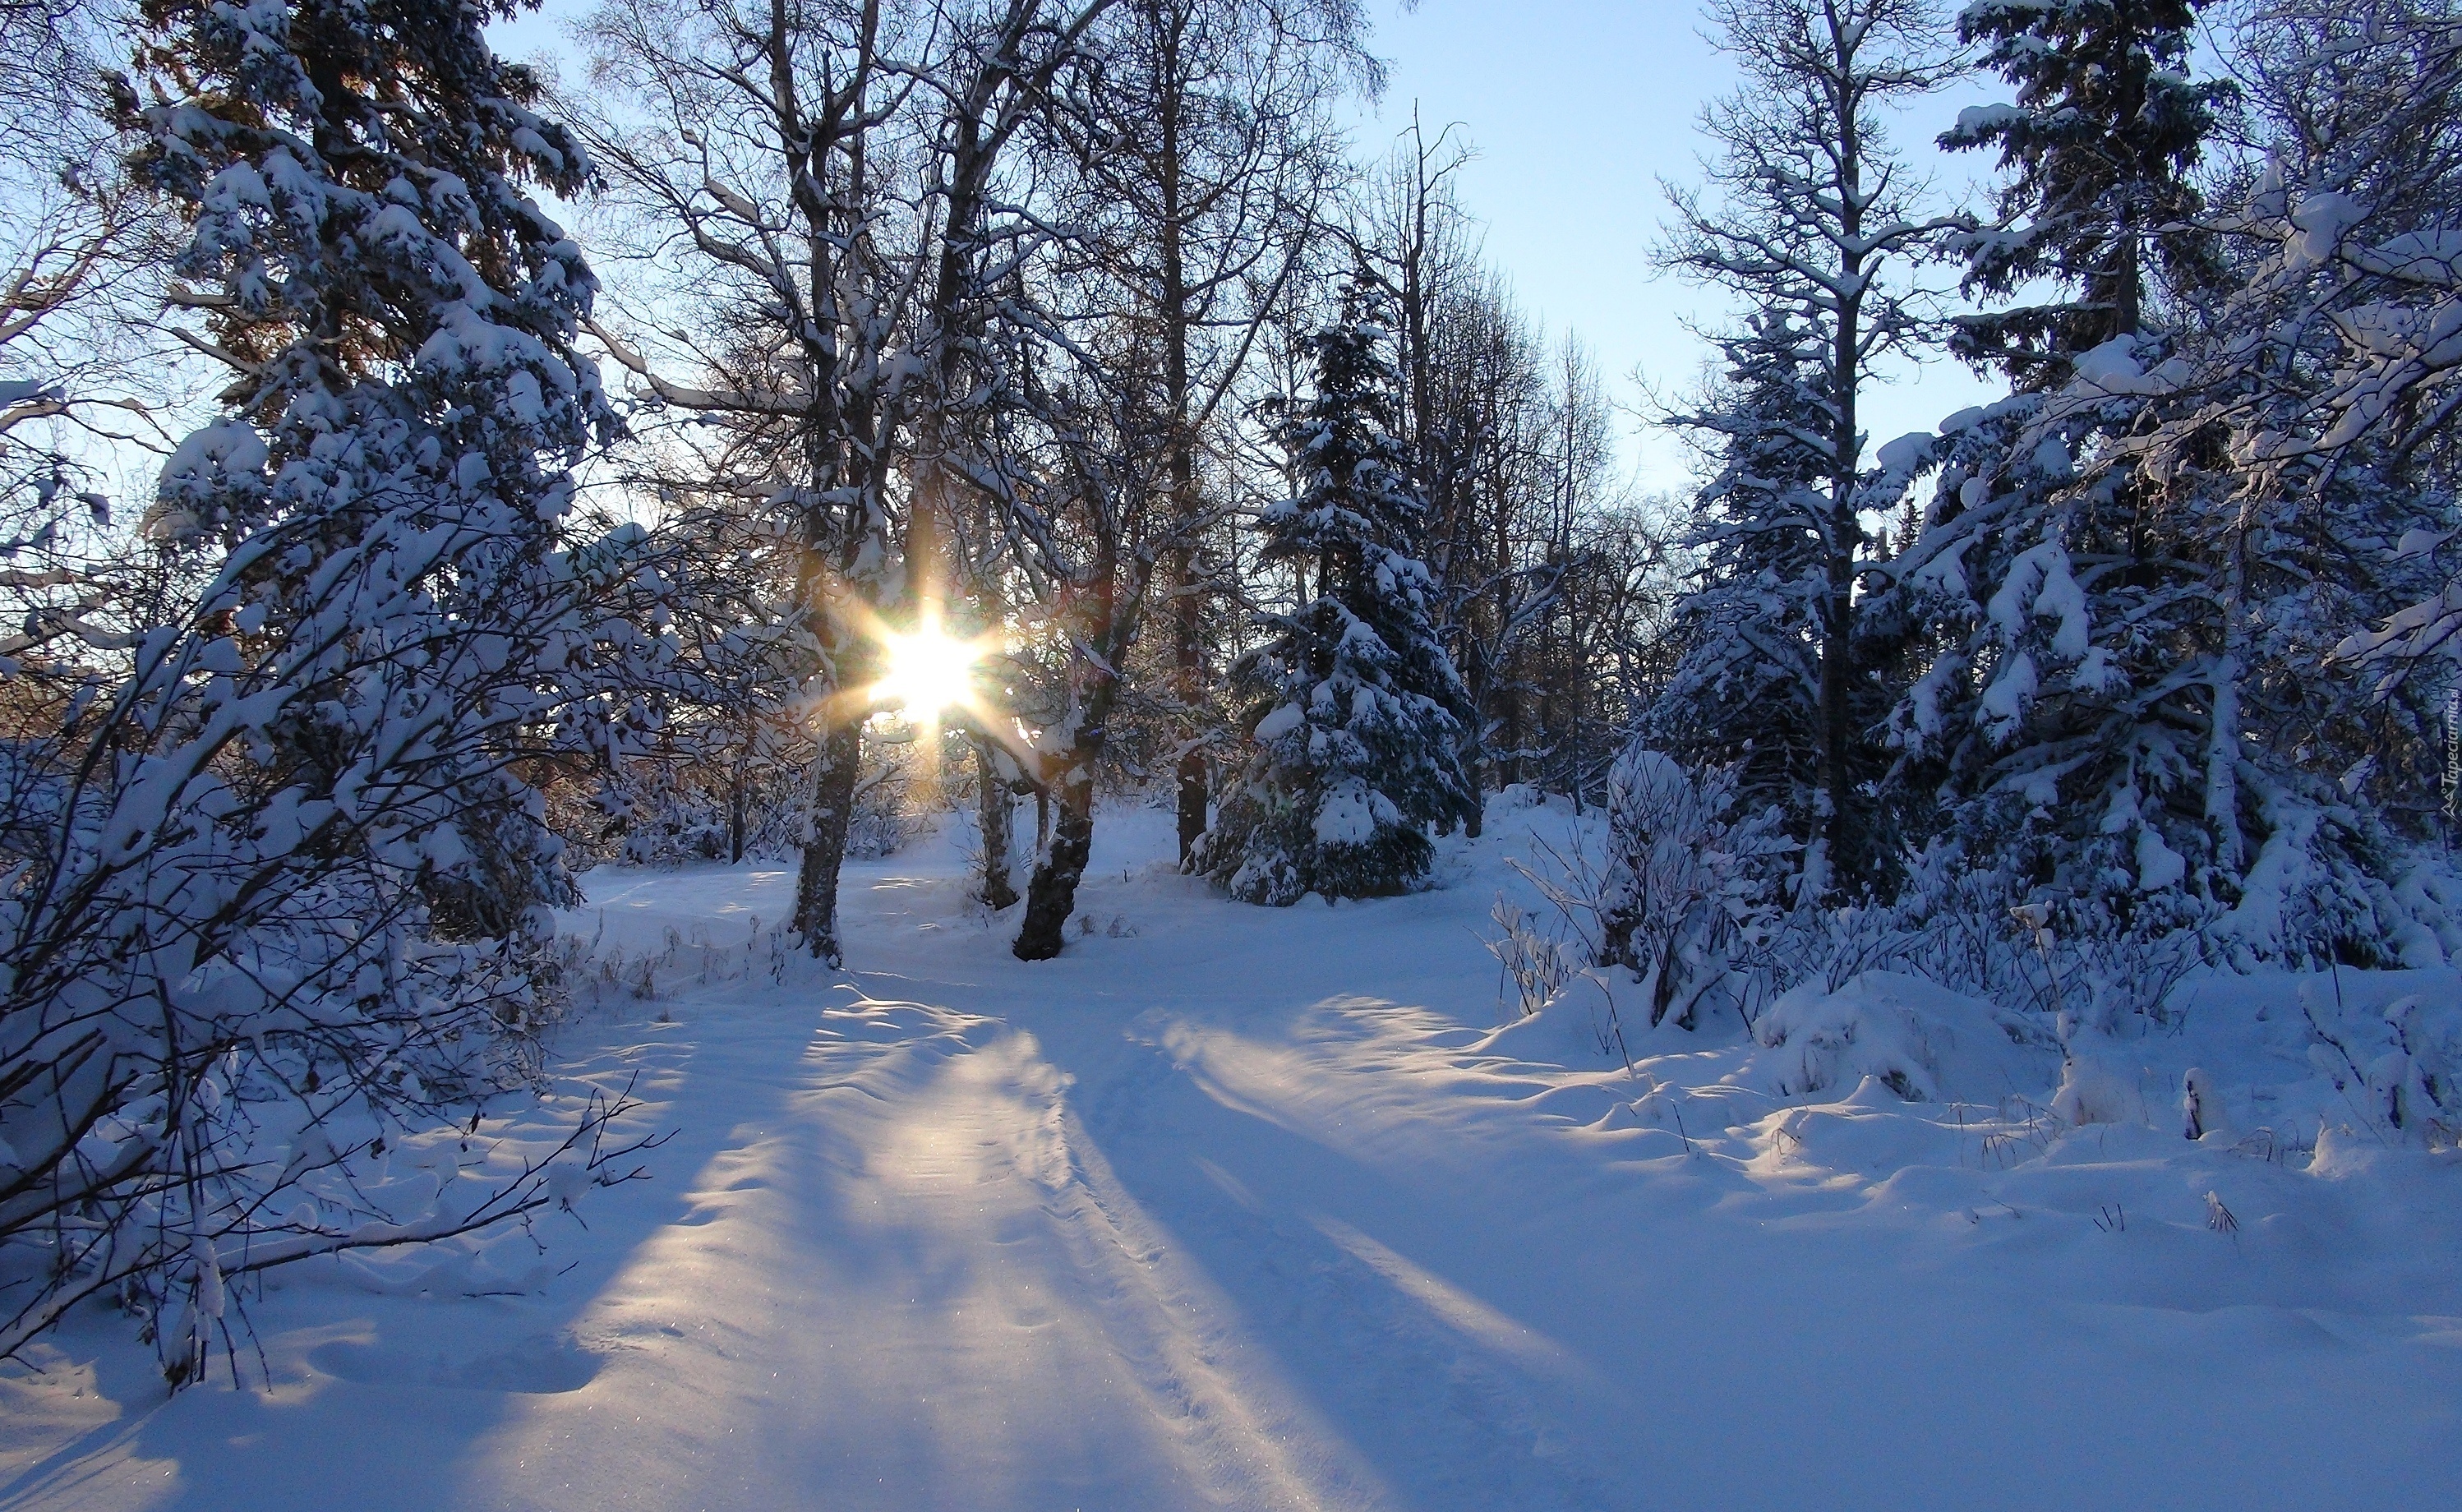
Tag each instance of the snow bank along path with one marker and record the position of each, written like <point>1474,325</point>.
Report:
<point>1242,1208</point>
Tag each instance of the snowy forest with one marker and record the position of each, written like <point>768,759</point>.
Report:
<point>1023,558</point>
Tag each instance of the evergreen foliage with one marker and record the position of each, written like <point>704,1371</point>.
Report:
<point>2098,150</point>
<point>1815,220</point>
<point>968,305</point>
<point>1745,689</point>
<point>1359,728</point>
<point>276,876</point>
<point>2126,700</point>
<point>2066,722</point>
<point>398,317</point>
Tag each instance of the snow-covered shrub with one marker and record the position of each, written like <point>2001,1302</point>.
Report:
<point>226,973</point>
<point>723,746</point>
<point>2092,1091</point>
<point>2109,958</point>
<point>2321,887</point>
<point>673,812</point>
<point>1832,946</point>
<point>1689,887</point>
<point>1515,797</point>
<point>1530,958</point>
<point>2430,894</point>
<point>885,817</point>
<point>2399,1069</point>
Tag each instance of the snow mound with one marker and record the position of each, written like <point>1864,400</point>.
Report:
<point>1923,1042</point>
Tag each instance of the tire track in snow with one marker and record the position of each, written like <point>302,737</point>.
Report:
<point>1254,1440</point>
<point>1441,1391</point>
<point>917,1285</point>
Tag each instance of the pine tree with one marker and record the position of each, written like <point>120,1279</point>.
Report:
<point>2108,718</point>
<point>2099,147</point>
<point>2041,535</point>
<point>1358,734</point>
<point>238,846</point>
<point>1745,691</point>
<point>1811,212</point>
<point>398,318</point>
<point>2067,722</point>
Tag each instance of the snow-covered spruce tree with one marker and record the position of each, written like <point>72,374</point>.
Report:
<point>1744,694</point>
<point>2319,409</point>
<point>1358,733</point>
<point>2098,148</point>
<point>397,316</point>
<point>277,885</point>
<point>2074,721</point>
<point>2137,565</point>
<point>1808,211</point>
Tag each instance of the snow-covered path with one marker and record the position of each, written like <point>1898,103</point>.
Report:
<point>1007,1244</point>
<point>1247,1209</point>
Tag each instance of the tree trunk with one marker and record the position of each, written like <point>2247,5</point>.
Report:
<point>1475,768</point>
<point>993,808</point>
<point>1838,827</point>
<point>1842,827</point>
<point>738,800</point>
<point>1051,897</point>
<point>1187,603</point>
<point>816,882</point>
<point>1188,659</point>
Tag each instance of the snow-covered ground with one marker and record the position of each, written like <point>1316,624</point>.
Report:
<point>1249,1208</point>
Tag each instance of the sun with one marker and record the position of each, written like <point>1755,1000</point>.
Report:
<point>928,672</point>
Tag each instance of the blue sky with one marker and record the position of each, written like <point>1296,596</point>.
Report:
<point>1577,109</point>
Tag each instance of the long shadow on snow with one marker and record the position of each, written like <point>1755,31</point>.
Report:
<point>429,1379</point>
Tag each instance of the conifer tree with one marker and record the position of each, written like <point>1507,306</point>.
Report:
<point>398,318</point>
<point>239,844</point>
<point>2067,718</point>
<point>1745,691</point>
<point>1809,209</point>
<point>2099,147</point>
<point>1359,727</point>
<point>2086,720</point>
